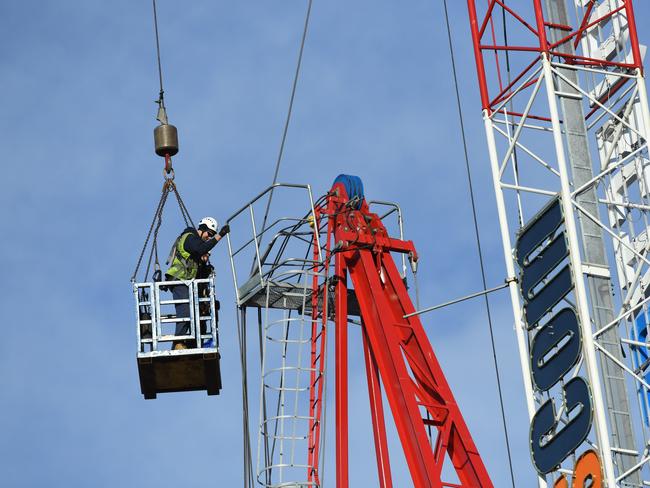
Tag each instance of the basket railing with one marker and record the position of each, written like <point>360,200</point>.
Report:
<point>155,316</point>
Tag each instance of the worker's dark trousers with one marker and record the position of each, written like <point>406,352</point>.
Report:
<point>181,292</point>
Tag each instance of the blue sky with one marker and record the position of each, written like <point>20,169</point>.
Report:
<point>80,182</point>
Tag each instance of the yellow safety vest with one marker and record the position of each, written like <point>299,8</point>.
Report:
<point>183,267</point>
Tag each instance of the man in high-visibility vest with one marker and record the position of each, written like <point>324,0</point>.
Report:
<point>184,259</point>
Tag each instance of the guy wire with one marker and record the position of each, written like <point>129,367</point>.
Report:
<point>478,242</point>
<point>160,76</point>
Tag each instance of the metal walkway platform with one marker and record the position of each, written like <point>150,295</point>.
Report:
<point>286,296</point>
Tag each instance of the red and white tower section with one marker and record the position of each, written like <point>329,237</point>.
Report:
<point>566,116</point>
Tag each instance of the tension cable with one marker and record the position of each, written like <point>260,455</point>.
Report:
<point>457,300</point>
<point>289,111</point>
<point>165,135</point>
<point>168,187</point>
<point>478,243</point>
<point>161,96</point>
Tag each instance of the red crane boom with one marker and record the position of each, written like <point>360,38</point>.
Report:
<point>397,352</point>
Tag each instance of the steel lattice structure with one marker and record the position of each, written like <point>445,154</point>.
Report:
<point>332,267</point>
<point>565,110</point>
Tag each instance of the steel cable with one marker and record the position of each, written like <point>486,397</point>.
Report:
<point>161,203</point>
<point>478,242</point>
<point>184,212</point>
<point>168,187</point>
<point>161,100</point>
<point>241,333</point>
<point>154,243</point>
<point>289,111</point>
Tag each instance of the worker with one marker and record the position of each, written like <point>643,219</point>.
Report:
<point>185,256</point>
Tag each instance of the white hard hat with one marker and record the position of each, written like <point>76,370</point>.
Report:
<point>210,223</point>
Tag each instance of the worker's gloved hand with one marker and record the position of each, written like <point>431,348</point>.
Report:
<point>224,230</point>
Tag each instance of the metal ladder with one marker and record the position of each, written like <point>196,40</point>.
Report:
<point>291,373</point>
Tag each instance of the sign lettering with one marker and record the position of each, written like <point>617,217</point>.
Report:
<point>544,282</point>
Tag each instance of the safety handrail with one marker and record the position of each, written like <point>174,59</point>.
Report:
<point>268,228</point>
<point>272,187</point>
<point>284,232</point>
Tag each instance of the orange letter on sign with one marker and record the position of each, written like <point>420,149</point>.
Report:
<point>561,483</point>
<point>587,468</point>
